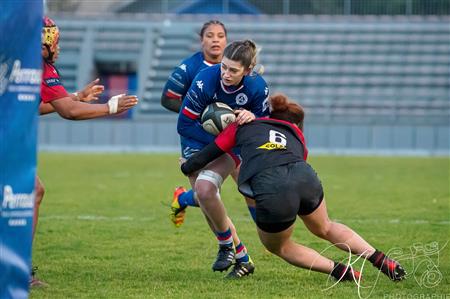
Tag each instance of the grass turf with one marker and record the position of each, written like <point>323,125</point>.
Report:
<point>104,230</point>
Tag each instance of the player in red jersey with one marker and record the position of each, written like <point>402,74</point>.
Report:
<point>275,173</point>
<point>55,98</point>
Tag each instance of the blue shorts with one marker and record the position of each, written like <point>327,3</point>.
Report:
<point>190,146</point>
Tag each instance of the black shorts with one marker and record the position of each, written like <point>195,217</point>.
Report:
<point>283,192</point>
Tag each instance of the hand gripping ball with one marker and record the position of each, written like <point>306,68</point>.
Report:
<point>216,117</point>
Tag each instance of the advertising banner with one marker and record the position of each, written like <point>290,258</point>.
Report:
<point>20,78</point>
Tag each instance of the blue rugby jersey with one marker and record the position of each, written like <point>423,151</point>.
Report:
<point>181,78</point>
<point>207,88</point>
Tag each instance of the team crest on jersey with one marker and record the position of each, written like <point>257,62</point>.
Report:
<point>272,146</point>
<point>200,84</point>
<point>183,67</point>
<point>241,99</point>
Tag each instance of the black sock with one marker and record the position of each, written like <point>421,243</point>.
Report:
<point>338,271</point>
<point>377,258</point>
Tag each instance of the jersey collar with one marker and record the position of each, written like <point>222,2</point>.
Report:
<point>224,88</point>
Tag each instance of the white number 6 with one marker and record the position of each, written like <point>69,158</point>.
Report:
<point>277,137</point>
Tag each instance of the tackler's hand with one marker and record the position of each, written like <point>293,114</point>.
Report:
<point>244,116</point>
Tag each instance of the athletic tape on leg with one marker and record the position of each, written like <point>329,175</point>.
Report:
<point>211,176</point>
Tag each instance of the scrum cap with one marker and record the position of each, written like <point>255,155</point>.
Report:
<point>50,34</point>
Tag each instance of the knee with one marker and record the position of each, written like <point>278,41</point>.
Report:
<point>273,249</point>
<point>276,249</point>
<point>207,185</point>
<point>205,190</point>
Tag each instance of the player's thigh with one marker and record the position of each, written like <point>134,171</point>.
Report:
<point>235,173</point>
<point>318,220</point>
<point>223,166</point>
<point>274,241</point>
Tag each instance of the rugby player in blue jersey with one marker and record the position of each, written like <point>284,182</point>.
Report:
<point>232,82</point>
<point>213,36</point>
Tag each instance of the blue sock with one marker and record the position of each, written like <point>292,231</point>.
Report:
<point>241,253</point>
<point>225,238</point>
<point>187,199</point>
<point>252,212</point>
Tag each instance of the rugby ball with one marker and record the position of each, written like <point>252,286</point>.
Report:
<point>216,117</point>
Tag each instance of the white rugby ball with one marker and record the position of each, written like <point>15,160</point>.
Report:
<point>216,117</point>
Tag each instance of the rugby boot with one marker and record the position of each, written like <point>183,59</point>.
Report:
<point>177,212</point>
<point>242,269</point>
<point>224,259</point>
<point>388,266</point>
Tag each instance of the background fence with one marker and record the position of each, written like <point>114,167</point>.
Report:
<point>267,7</point>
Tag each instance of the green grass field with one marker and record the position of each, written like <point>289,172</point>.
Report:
<point>104,230</point>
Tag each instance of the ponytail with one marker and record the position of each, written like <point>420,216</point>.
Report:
<point>284,109</point>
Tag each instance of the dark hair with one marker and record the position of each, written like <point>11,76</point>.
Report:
<point>282,108</point>
<point>243,51</point>
<point>209,23</point>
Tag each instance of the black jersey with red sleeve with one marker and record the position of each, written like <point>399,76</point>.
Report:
<point>263,143</point>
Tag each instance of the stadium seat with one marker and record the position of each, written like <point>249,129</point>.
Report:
<point>365,63</point>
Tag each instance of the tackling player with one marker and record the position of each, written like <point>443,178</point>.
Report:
<point>275,173</point>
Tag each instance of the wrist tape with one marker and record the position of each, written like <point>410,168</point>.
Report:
<point>113,103</point>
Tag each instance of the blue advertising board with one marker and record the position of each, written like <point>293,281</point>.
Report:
<point>20,77</point>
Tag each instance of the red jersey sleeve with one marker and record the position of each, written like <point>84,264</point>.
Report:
<point>51,87</point>
<point>226,140</point>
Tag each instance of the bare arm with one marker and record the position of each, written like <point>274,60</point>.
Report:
<point>89,93</point>
<point>75,110</point>
<point>172,104</point>
<point>45,108</point>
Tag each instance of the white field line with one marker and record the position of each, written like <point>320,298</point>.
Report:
<point>96,218</point>
<point>131,219</point>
